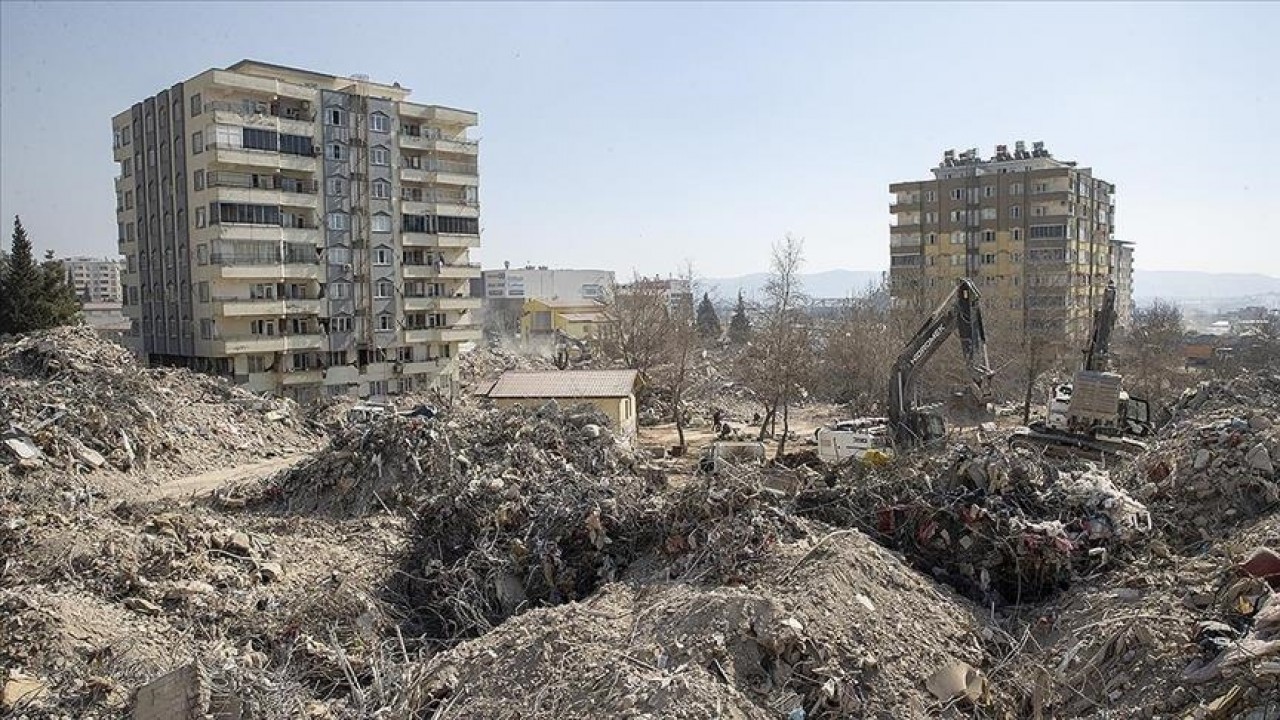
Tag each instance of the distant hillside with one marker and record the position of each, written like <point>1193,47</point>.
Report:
<point>827,284</point>
<point>1147,284</point>
<point>1196,285</point>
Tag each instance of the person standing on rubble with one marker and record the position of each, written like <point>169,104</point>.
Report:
<point>717,417</point>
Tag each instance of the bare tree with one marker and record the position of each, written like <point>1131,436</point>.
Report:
<point>777,363</point>
<point>638,334</point>
<point>1152,353</point>
<point>682,339</point>
<point>857,349</point>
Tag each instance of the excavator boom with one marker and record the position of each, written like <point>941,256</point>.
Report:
<point>959,313</point>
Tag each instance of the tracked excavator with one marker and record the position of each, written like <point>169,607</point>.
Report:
<point>1092,416</point>
<point>909,425</point>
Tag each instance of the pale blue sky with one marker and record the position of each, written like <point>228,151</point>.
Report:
<point>637,135</point>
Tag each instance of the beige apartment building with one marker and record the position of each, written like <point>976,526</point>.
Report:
<point>96,280</point>
<point>302,233</point>
<point>1035,233</point>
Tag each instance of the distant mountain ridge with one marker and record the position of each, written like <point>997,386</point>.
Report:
<point>1147,284</point>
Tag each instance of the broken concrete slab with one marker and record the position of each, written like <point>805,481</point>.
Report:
<point>21,690</point>
<point>23,448</point>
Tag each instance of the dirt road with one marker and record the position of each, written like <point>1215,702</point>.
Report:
<point>207,482</point>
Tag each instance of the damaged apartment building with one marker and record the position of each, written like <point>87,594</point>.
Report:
<point>1035,233</point>
<point>306,234</point>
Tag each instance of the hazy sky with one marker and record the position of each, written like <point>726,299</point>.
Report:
<point>633,136</point>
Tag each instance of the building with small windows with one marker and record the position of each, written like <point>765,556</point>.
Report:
<point>507,290</point>
<point>303,233</point>
<point>96,280</point>
<point>585,320</point>
<point>1035,233</point>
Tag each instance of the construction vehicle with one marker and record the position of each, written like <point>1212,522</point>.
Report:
<point>570,350</point>
<point>723,454</point>
<point>909,425</point>
<point>1092,416</point>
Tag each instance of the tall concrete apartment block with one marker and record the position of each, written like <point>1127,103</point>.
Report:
<point>303,233</point>
<point>1034,232</point>
<point>96,280</point>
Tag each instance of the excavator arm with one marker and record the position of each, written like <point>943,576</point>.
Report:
<point>1097,354</point>
<point>959,313</point>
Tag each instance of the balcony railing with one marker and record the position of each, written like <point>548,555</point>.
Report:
<point>215,145</point>
<point>249,108</point>
<point>249,181</point>
<point>428,134</point>
<point>241,259</point>
<point>445,166</point>
<point>416,195</point>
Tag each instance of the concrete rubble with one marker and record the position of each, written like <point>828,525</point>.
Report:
<point>526,563</point>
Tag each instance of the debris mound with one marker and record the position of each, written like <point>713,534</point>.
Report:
<point>70,399</point>
<point>1213,466</point>
<point>1002,526</point>
<point>831,627</point>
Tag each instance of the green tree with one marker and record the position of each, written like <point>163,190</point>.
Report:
<point>739,324</point>
<point>33,296</point>
<point>708,322</point>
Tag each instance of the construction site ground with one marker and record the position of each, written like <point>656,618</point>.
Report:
<point>171,547</point>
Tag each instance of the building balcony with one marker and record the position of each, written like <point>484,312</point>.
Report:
<point>464,333</point>
<point>242,344</point>
<point>302,377</point>
<point>233,156</point>
<point>265,196</point>
<point>457,271</point>
<point>439,143</point>
<point>438,114</point>
<point>441,302</point>
<point>271,233</point>
<point>424,367</point>
<point>261,86</point>
<point>442,240</point>
<point>290,118</point>
<point>454,206</point>
<point>261,270</point>
<point>441,172</point>
<point>246,307</point>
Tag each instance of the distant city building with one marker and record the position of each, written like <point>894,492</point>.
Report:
<point>1035,233</point>
<point>96,280</point>
<point>677,290</point>
<point>507,290</point>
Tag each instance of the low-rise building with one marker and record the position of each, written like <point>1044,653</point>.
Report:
<point>613,392</point>
<point>578,319</point>
<point>506,291</point>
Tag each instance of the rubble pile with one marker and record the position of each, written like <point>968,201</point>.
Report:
<point>1002,526</point>
<point>480,366</point>
<point>396,462</point>
<point>1214,465</point>
<point>70,400</point>
<point>1172,637</point>
<point>831,626</point>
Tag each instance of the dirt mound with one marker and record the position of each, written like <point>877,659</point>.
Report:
<point>70,400</point>
<point>1214,465</point>
<point>831,627</point>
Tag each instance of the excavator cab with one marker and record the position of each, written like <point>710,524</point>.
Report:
<point>927,426</point>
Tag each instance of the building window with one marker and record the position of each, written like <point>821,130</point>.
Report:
<point>1037,211</point>
<point>957,194</point>
<point>933,238</point>
<point>381,189</point>
<point>989,259</point>
<point>988,213</point>
<point>382,256</point>
<point>128,199</point>
<point>201,217</point>
<point>384,322</point>
<point>196,106</point>
<point>378,156</point>
<point>957,238</point>
<point>340,290</point>
<point>126,167</point>
<point>930,196</point>
<point>379,123</point>
<point>334,116</point>
<point>197,143</point>
<point>262,327</point>
<point>337,152</point>
<point>341,324</point>
<point>203,288</point>
<point>206,329</point>
<point>380,223</point>
<point>338,221</point>
<point>197,178</point>
<point>337,186</point>
<point>339,255</point>
<point>1015,189</point>
<point>1017,233</point>
<point>988,191</point>
<point>383,289</point>
<point>988,236</point>
<point>1015,211</point>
